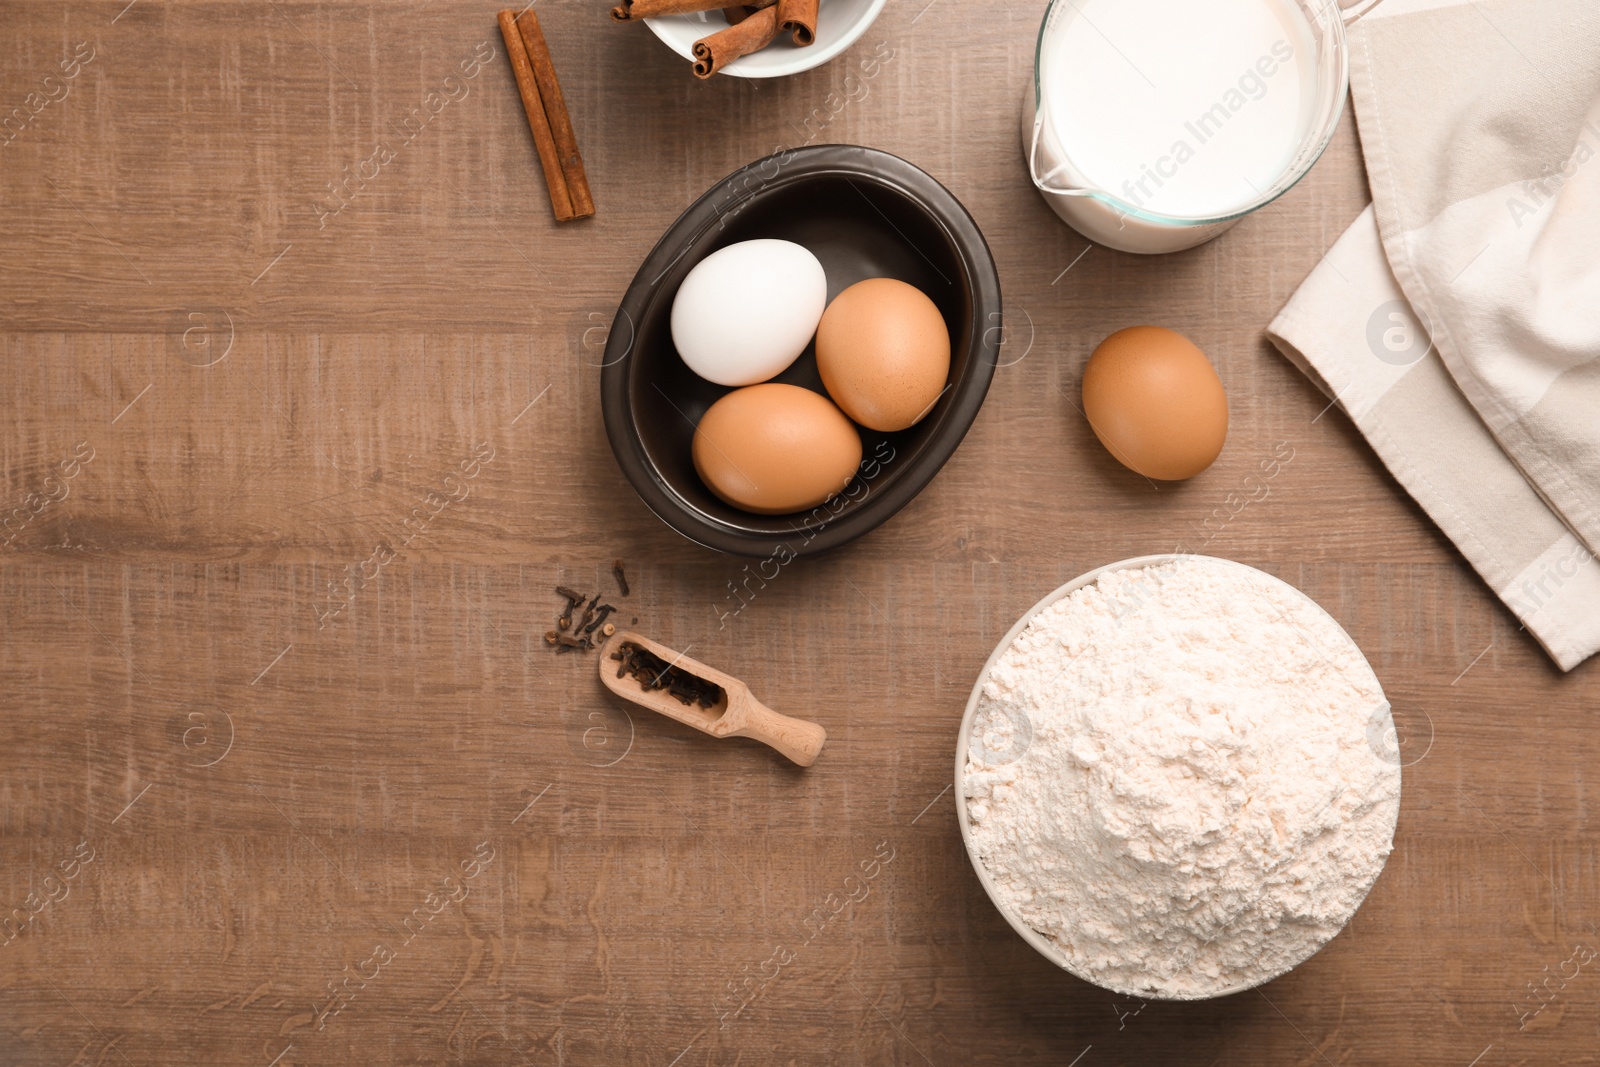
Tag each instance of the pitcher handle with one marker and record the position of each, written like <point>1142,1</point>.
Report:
<point>1349,12</point>
<point>1043,182</point>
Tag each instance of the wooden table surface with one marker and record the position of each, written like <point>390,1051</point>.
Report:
<point>231,795</point>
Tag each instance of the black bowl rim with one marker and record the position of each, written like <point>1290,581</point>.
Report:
<point>795,165</point>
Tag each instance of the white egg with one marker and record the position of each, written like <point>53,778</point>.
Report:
<point>745,312</point>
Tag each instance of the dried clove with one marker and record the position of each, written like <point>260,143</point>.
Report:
<point>588,614</point>
<point>599,618</point>
<point>619,570</point>
<point>573,600</point>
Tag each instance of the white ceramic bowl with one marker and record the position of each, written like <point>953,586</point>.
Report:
<point>1044,945</point>
<point>839,24</point>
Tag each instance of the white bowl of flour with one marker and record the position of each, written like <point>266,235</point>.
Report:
<point>1176,777</point>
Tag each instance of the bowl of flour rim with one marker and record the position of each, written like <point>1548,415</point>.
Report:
<point>1177,978</point>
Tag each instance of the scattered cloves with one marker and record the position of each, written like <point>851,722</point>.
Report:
<point>619,570</point>
<point>575,629</point>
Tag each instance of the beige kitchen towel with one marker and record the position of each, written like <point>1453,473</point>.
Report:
<point>1351,330</point>
<point>1480,124</point>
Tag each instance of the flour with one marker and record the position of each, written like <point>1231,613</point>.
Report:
<point>1171,777</point>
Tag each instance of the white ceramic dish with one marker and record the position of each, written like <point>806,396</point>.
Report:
<point>1044,945</point>
<point>839,24</point>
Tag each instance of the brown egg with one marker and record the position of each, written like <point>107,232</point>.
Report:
<point>883,351</point>
<point>1155,402</point>
<point>775,448</point>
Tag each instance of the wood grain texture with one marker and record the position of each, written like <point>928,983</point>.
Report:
<point>261,376</point>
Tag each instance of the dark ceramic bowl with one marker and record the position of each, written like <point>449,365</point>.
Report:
<point>864,214</point>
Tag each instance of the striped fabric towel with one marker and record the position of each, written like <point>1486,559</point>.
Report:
<point>1457,321</point>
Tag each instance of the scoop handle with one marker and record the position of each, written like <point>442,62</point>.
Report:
<point>797,739</point>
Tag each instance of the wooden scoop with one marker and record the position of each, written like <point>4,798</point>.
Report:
<point>737,714</point>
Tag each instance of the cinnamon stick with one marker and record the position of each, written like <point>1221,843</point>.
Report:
<point>713,53</point>
<point>634,10</point>
<point>555,110</point>
<point>538,123</point>
<point>798,18</point>
<point>739,12</point>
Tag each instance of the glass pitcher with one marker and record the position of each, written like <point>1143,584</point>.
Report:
<point>1111,217</point>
